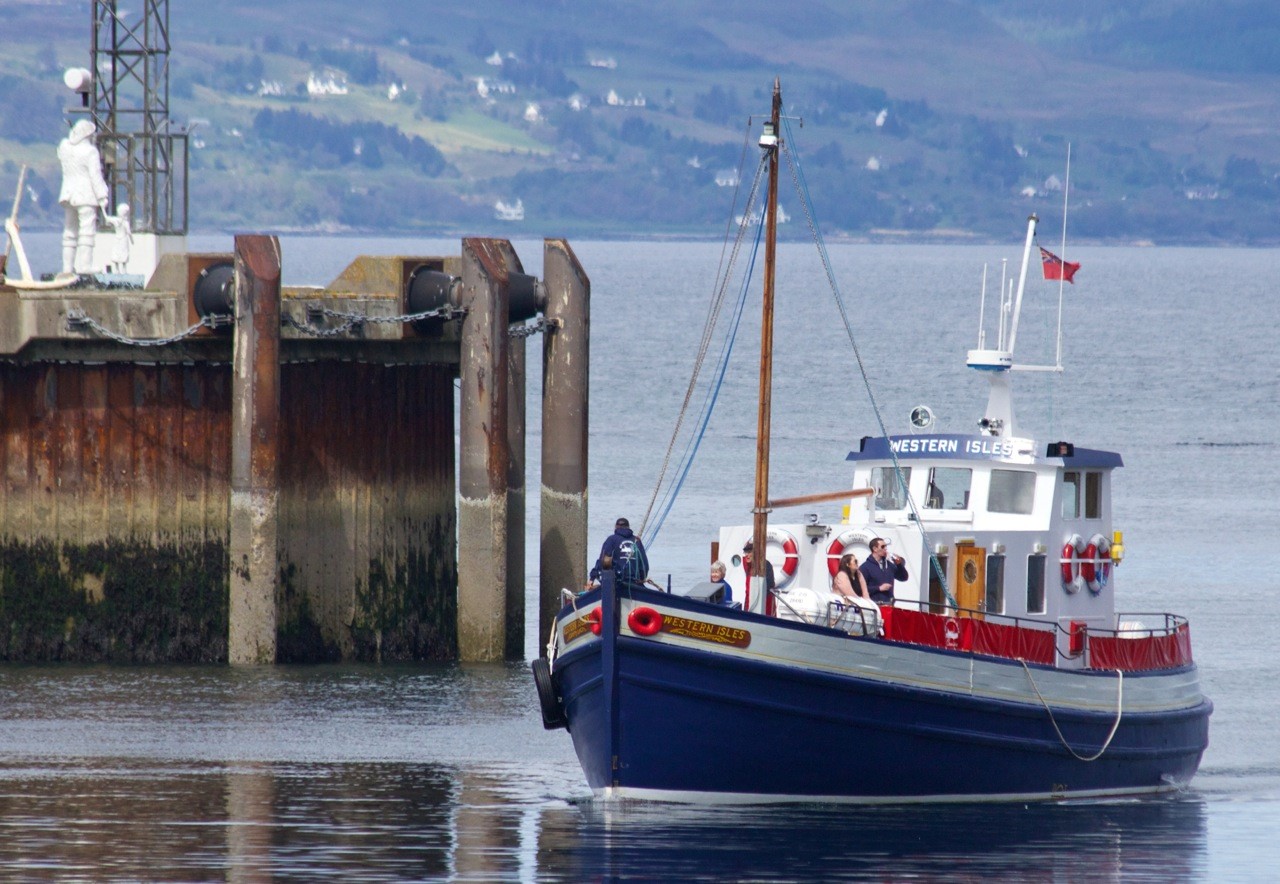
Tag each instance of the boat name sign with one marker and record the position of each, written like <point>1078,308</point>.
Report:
<point>704,631</point>
<point>966,446</point>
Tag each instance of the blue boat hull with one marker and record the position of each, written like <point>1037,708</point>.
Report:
<point>690,724</point>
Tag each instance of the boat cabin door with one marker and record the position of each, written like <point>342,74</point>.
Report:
<point>971,578</point>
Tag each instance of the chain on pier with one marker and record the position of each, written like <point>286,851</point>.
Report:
<point>541,324</point>
<point>354,320</point>
<point>78,320</point>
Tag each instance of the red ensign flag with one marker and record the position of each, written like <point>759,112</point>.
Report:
<point>1056,268</point>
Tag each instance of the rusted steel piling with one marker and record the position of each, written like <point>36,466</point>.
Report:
<point>565,377</point>
<point>484,454</point>
<point>255,451</point>
<point>282,489</point>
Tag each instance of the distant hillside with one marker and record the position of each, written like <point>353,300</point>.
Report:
<point>921,118</point>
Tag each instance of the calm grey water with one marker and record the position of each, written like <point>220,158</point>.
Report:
<point>425,773</point>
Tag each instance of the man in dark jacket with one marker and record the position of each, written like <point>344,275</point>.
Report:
<point>624,554</point>
<point>881,570</point>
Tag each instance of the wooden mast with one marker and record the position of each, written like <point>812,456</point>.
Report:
<point>760,600</point>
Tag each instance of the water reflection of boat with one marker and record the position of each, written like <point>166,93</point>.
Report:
<point>1001,671</point>
<point>1158,838</point>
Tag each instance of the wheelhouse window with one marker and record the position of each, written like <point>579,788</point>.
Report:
<point>1012,491</point>
<point>1071,494</point>
<point>948,488</point>
<point>1035,583</point>
<point>889,494</point>
<point>994,603</point>
<point>1093,495</point>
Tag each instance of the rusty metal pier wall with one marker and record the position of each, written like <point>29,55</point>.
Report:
<point>179,489</point>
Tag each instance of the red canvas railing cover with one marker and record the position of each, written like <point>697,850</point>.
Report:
<point>1137,654</point>
<point>967,634</point>
<point>1106,651</point>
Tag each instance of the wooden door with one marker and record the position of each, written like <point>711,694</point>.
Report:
<point>971,579</point>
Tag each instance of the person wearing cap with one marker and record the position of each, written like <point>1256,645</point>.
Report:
<point>881,571</point>
<point>624,554</point>
<point>769,582</point>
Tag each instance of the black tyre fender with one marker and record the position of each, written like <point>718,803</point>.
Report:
<point>552,709</point>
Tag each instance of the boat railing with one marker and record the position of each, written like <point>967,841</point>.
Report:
<point>852,619</point>
<point>1132,646</point>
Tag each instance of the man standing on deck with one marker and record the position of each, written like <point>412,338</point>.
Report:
<point>624,554</point>
<point>881,571</point>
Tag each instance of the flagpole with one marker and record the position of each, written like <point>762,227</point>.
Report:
<point>1062,274</point>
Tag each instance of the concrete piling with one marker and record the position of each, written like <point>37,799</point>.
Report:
<point>516,498</point>
<point>255,451</point>
<point>565,381</point>
<point>483,454</point>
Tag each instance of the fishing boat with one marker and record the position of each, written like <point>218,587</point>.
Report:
<point>1001,670</point>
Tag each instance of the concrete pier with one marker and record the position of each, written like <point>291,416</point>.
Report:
<point>178,488</point>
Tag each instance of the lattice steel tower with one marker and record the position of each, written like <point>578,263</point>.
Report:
<point>144,154</point>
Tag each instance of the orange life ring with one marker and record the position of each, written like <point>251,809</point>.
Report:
<point>1070,563</point>
<point>1095,564</point>
<point>842,542</point>
<point>644,621</point>
<point>594,618</point>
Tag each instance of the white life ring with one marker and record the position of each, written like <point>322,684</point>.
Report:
<point>1072,549</point>
<point>1095,564</point>
<point>790,552</point>
<point>842,542</point>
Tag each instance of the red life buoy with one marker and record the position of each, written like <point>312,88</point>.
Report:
<point>644,621</point>
<point>1070,563</point>
<point>790,552</point>
<point>594,617</point>
<point>1095,565</point>
<point>838,546</point>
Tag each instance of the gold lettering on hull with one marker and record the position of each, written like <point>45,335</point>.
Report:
<point>707,632</point>
<point>576,629</point>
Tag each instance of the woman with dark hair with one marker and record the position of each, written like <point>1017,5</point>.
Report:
<point>849,581</point>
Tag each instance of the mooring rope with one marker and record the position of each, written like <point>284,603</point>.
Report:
<point>1114,727</point>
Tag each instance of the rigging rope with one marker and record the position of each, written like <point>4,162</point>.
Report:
<point>713,316</point>
<point>802,188</point>
<point>695,441</point>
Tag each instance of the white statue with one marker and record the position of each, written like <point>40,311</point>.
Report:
<point>84,194</point>
<point>123,240</point>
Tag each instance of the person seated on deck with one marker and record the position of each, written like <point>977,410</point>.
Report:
<point>849,582</point>
<point>623,553</point>
<point>881,571</point>
<point>718,571</point>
